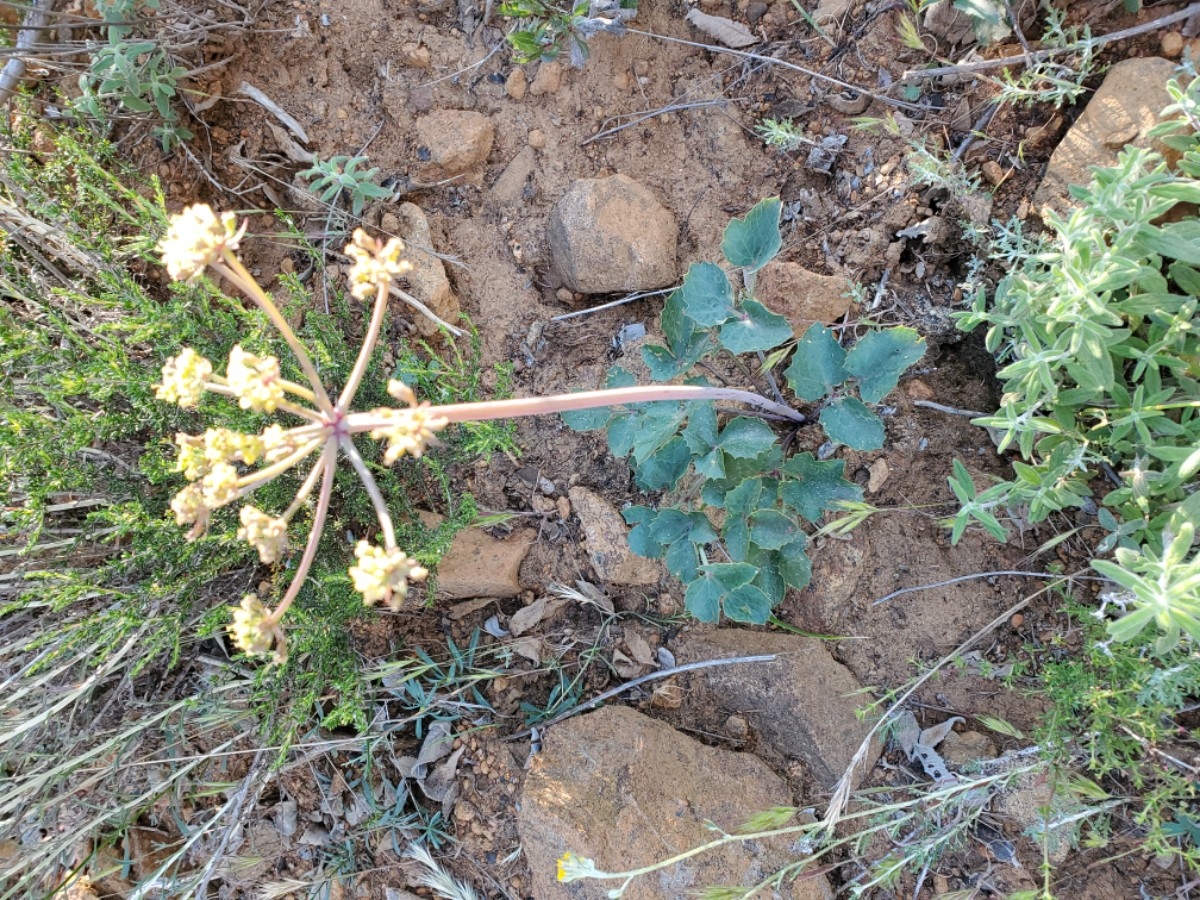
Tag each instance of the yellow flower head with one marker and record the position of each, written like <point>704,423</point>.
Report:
<point>268,535</point>
<point>572,868</point>
<point>409,431</point>
<point>374,262</point>
<point>192,460</point>
<point>189,506</point>
<point>254,380</point>
<point>251,628</point>
<point>183,378</point>
<point>384,574</point>
<point>197,238</point>
<point>223,445</point>
<point>220,485</point>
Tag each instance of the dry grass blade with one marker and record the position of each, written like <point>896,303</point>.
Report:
<point>438,879</point>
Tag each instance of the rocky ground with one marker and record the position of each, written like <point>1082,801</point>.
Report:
<point>535,191</point>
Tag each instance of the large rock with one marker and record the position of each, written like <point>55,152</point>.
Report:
<point>607,541</point>
<point>451,142</point>
<point>1126,106</point>
<point>612,234</point>
<point>427,281</point>
<point>803,704</point>
<point>626,791</point>
<point>800,296</point>
<point>478,565</point>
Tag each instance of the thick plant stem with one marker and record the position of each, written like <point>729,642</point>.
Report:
<point>368,346</point>
<point>305,489</point>
<point>327,464</point>
<point>260,476</point>
<point>231,267</point>
<point>539,406</point>
<point>368,481</point>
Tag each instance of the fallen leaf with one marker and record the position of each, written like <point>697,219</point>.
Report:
<point>931,737</point>
<point>441,779</point>
<point>668,695</point>
<point>464,609</point>
<point>493,627</point>
<point>625,666</point>
<point>526,618</point>
<point>529,647</point>
<point>722,30</point>
<point>439,740</point>
<point>879,473</point>
<point>639,649</point>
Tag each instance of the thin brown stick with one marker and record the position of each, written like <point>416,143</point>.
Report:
<point>1039,55</point>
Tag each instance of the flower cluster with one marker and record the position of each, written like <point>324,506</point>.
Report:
<point>197,238</point>
<point>198,454</point>
<point>184,377</point>
<point>572,867</point>
<point>267,534</point>
<point>409,431</point>
<point>255,380</point>
<point>384,574</point>
<point>374,262</point>
<point>252,626</point>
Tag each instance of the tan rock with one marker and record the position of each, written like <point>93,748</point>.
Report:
<point>515,84</point>
<point>803,704</point>
<point>427,281</point>
<point>607,543</point>
<point>455,141</point>
<point>612,234</point>
<point>415,55</point>
<point>1126,106</point>
<point>547,80</point>
<point>800,296</point>
<point>626,790</point>
<point>993,172</point>
<point>1172,45</point>
<point>511,184</point>
<point>962,749</point>
<point>478,565</point>
<point>537,139</point>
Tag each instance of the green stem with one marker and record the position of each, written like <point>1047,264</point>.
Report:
<point>368,345</point>
<point>539,406</point>
<point>231,267</point>
<point>326,464</point>
<point>368,480</point>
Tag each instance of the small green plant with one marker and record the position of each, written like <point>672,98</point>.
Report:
<point>1056,80</point>
<point>544,30</point>
<point>742,566</point>
<point>140,76</point>
<point>341,173</point>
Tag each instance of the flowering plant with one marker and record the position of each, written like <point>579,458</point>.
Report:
<point>219,463</point>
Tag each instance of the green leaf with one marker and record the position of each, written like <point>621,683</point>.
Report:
<point>682,560</point>
<point>848,421</point>
<point>754,328</point>
<point>703,598</point>
<point>771,529</point>
<point>748,604</point>
<point>730,575</point>
<point>815,486</point>
<point>663,469</point>
<point>706,295</point>
<point>794,565</point>
<point>880,358</point>
<point>818,365</point>
<point>1178,240</point>
<point>685,343</point>
<point>744,438</point>
<point>701,430</point>
<point>752,242</point>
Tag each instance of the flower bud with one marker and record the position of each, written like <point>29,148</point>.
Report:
<point>197,238</point>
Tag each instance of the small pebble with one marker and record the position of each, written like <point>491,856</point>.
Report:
<point>564,295</point>
<point>1017,621</point>
<point>537,139</point>
<point>992,172</point>
<point>287,265</point>
<point>1172,44</point>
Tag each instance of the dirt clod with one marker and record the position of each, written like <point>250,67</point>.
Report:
<point>802,297</point>
<point>456,141</point>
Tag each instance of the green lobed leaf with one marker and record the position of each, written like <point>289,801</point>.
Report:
<point>848,421</point>
<point>685,342</point>
<point>751,242</point>
<point>703,598</point>
<point>662,470</point>
<point>706,296</point>
<point>818,365</point>
<point>744,438</point>
<point>754,328</point>
<point>794,564</point>
<point>748,604</point>
<point>880,358</point>
<point>771,529</point>
<point>815,486</point>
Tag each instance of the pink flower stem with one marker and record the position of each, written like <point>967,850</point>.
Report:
<point>368,480</point>
<point>538,406</point>
<point>368,344</point>
<point>327,463</point>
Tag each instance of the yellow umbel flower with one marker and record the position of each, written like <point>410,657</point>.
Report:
<point>374,262</point>
<point>189,506</point>
<point>267,535</point>
<point>409,431</point>
<point>183,378</point>
<point>254,380</point>
<point>384,574</point>
<point>220,485</point>
<point>250,629</point>
<point>196,239</point>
